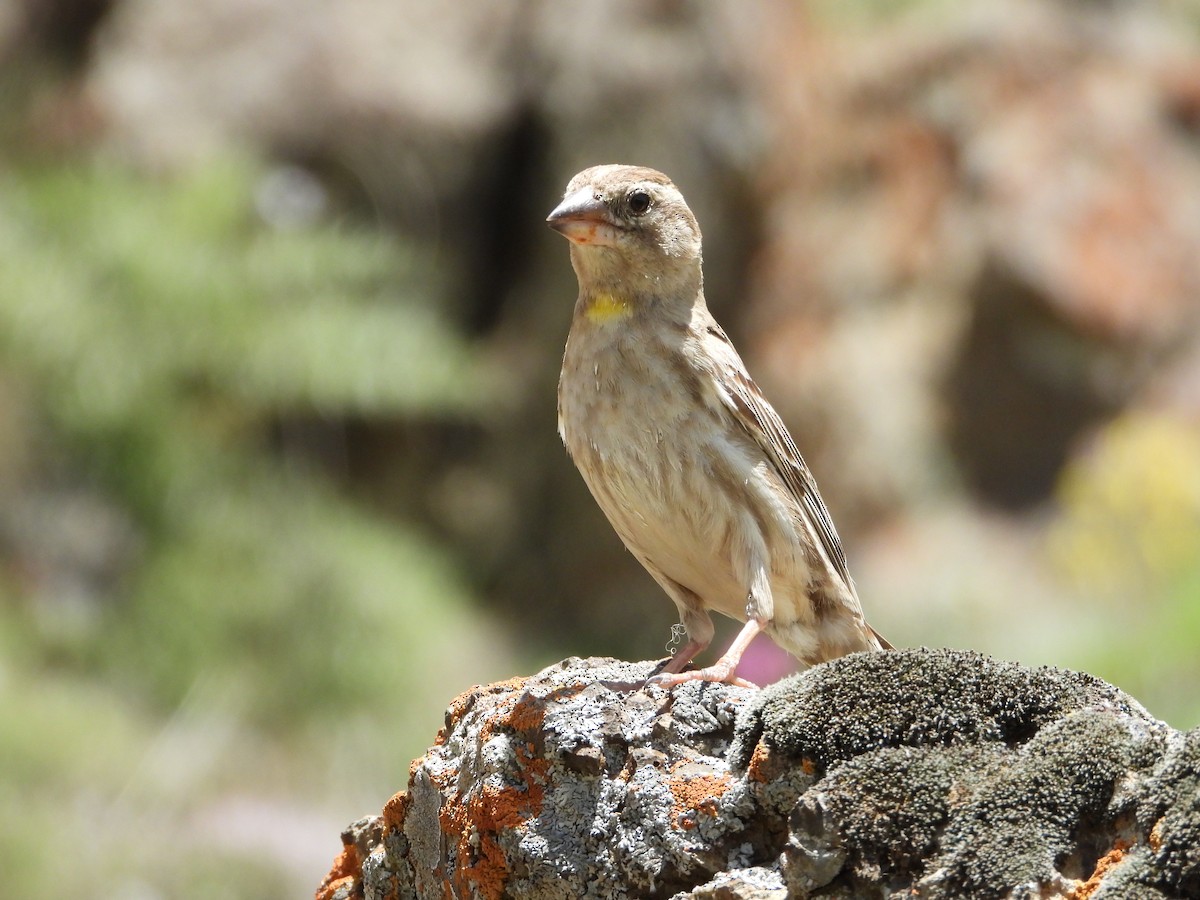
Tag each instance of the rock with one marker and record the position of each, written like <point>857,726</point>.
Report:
<point>967,227</point>
<point>576,780</point>
<point>942,773</point>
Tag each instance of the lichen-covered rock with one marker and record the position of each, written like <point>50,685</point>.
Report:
<point>941,774</point>
<point>576,781</point>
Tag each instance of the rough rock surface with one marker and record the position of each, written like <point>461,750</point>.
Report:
<point>933,773</point>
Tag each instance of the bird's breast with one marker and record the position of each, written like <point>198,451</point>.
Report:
<point>662,463</point>
<point>622,405</point>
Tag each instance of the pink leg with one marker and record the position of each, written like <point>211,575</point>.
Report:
<point>683,656</point>
<point>723,669</point>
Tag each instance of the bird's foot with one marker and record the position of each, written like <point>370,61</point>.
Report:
<point>720,672</point>
<point>724,670</point>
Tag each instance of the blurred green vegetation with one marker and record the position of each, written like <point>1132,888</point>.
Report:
<point>1128,538</point>
<point>154,332</point>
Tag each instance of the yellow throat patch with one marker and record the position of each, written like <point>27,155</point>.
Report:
<point>605,307</point>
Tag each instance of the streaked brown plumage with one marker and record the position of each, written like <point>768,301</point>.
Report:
<point>692,466</point>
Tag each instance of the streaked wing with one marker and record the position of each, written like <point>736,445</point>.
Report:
<point>763,424</point>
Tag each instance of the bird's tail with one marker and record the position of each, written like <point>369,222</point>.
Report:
<point>884,643</point>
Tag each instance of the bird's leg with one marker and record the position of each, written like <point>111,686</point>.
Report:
<point>723,669</point>
<point>694,621</point>
<point>683,656</point>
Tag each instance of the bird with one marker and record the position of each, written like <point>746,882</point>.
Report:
<point>692,466</point>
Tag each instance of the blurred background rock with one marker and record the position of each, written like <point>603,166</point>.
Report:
<point>280,329</point>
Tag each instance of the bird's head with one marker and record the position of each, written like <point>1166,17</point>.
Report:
<point>629,224</point>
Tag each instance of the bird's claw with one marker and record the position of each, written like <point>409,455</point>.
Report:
<point>715,673</point>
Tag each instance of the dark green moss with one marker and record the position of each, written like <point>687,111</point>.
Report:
<point>1169,809</point>
<point>960,776</point>
<point>887,809</point>
<point>914,698</point>
<point>1024,815</point>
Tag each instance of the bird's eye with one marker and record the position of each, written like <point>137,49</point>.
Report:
<point>639,202</point>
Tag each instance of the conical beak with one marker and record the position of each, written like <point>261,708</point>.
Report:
<point>584,219</point>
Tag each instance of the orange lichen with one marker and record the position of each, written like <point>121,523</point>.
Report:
<point>527,714</point>
<point>394,811</point>
<point>1156,840</point>
<point>758,767</point>
<point>528,711</point>
<point>1104,865</point>
<point>347,868</point>
<point>474,821</point>
<point>695,794</point>
<point>462,703</point>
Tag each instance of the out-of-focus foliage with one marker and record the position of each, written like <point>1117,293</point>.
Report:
<point>1131,507</point>
<point>152,335</point>
<point>1128,535</point>
<point>118,291</point>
